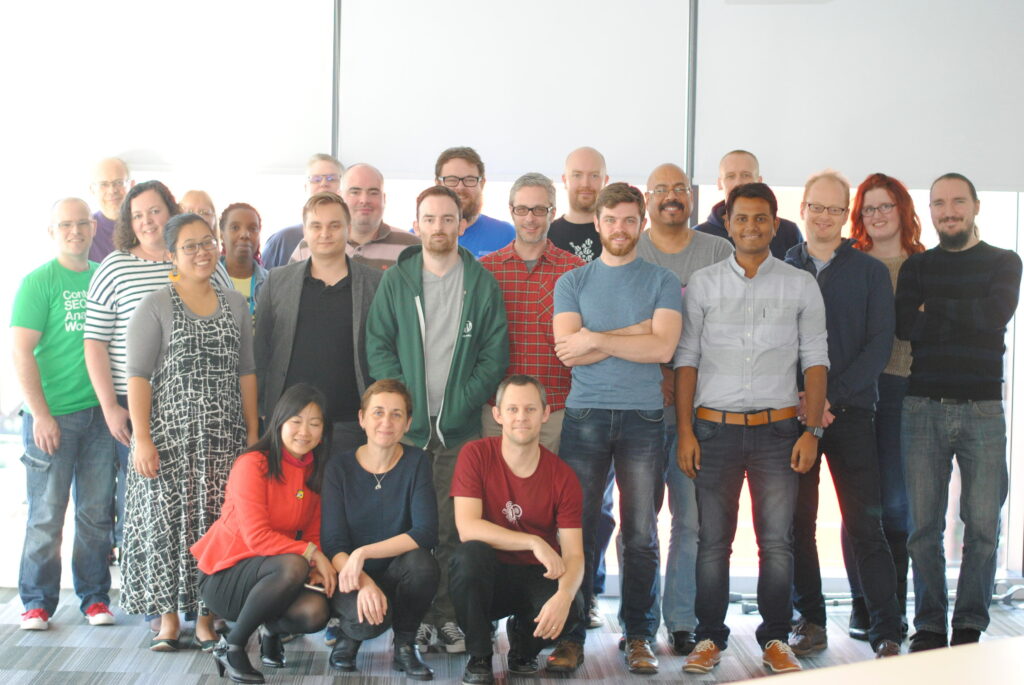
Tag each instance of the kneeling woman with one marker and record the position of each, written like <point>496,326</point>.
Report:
<point>380,522</point>
<point>256,558</point>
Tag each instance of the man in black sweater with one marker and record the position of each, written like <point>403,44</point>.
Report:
<point>859,319</point>
<point>953,303</point>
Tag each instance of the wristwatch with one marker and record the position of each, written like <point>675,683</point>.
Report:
<point>816,431</point>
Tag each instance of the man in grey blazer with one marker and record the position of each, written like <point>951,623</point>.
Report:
<point>310,320</point>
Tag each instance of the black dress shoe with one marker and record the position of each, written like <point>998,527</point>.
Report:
<point>860,620</point>
<point>343,655</point>
<point>407,658</point>
<point>271,649</point>
<point>683,642</point>
<point>478,671</point>
<point>964,636</point>
<point>233,660</point>
<point>924,640</point>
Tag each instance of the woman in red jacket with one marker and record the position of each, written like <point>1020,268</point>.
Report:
<point>256,558</point>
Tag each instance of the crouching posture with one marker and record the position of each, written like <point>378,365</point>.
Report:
<point>518,512</point>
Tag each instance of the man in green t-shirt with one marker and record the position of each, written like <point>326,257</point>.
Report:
<point>67,443</point>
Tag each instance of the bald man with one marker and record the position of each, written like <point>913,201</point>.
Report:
<point>370,240</point>
<point>110,182</point>
<point>671,243</point>
<point>584,176</point>
<point>736,168</point>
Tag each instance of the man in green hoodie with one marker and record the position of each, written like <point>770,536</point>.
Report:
<point>437,323</point>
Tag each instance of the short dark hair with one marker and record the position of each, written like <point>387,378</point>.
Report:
<point>124,236</point>
<point>466,153</point>
<point>294,400</point>
<point>224,220</point>
<point>617,193</point>
<point>439,191</point>
<point>520,379</point>
<point>954,176</point>
<point>392,385</point>
<point>177,222</point>
<point>753,191</point>
<point>325,197</point>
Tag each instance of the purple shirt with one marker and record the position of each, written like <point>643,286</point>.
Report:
<point>103,241</point>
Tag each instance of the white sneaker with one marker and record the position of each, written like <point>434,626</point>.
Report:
<point>452,638</point>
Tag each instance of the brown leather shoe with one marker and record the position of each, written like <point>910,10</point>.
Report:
<point>566,657</point>
<point>779,658</point>
<point>639,657</point>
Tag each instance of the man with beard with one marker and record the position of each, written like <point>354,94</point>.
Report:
<point>526,269</point>
<point>462,170</point>
<point>736,168</point>
<point>438,325</point>
<point>584,176</point>
<point>672,244</point>
<point>617,319</point>
<point>953,303</point>
<point>110,182</point>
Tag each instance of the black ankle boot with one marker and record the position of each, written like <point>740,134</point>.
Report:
<point>860,620</point>
<point>271,649</point>
<point>343,656</point>
<point>233,660</point>
<point>407,658</point>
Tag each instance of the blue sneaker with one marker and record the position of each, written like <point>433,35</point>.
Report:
<point>332,632</point>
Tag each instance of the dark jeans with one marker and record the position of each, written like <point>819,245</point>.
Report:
<point>483,589</point>
<point>762,454</point>
<point>633,441</point>
<point>892,477</point>
<point>409,582</point>
<point>605,528</point>
<point>849,444</point>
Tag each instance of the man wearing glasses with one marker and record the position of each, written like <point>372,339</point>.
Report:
<point>860,322</point>
<point>672,244</point>
<point>462,170</point>
<point>110,182</point>
<point>323,174</point>
<point>736,168</point>
<point>527,269</point>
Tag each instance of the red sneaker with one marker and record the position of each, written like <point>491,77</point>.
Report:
<point>98,614</point>
<point>35,619</point>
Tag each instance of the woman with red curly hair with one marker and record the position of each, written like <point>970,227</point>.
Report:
<point>885,225</point>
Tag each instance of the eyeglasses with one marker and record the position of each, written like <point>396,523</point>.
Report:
<point>68,225</point>
<point>818,209</point>
<point>322,178</point>
<point>209,245</point>
<point>467,181</point>
<point>205,213</point>
<point>112,185</point>
<point>678,190</point>
<point>883,208</point>
<point>523,210</point>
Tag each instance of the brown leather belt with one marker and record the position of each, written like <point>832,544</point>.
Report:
<point>758,418</point>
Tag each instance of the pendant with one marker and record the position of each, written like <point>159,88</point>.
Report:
<point>299,494</point>
<point>378,487</point>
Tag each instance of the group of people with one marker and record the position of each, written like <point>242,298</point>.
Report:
<point>361,428</point>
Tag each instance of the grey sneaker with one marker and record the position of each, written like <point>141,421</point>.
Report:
<point>451,637</point>
<point>807,638</point>
<point>426,637</point>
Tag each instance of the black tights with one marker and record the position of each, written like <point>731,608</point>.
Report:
<point>268,591</point>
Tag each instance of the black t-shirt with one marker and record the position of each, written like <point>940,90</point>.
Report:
<point>323,350</point>
<point>578,239</point>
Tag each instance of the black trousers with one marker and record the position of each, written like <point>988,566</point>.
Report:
<point>484,589</point>
<point>409,582</point>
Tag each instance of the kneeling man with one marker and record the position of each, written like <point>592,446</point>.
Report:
<point>518,509</point>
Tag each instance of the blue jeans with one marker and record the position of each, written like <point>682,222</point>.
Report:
<point>680,570</point>
<point>594,440</point>
<point>605,528</point>
<point>762,453</point>
<point>933,431</point>
<point>83,465</point>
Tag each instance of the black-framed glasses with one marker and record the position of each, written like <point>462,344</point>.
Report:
<point>677,189</point>
<point>523,210</point>
<point>322,178</point>
<point>467,181</point>
<point>209,245</point>
<point>815,208</point>
<point>883,208</point>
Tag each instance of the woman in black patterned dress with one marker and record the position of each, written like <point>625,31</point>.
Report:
<point>192,400</point>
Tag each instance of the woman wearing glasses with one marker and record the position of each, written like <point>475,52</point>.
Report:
<point>885,226</point>
<point>192,400</point>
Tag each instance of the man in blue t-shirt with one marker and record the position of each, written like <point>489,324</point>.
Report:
<point>616,320</point>
<point>462,170</point>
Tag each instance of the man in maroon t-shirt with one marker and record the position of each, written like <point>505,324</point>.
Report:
<point>518,509</point>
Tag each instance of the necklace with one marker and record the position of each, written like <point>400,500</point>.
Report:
<point>379,478</point>
<point>387,469</point>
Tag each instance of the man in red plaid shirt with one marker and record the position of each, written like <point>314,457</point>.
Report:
<point>526,270</point>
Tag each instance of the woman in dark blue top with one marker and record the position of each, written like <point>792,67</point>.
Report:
<point>378,526</point>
